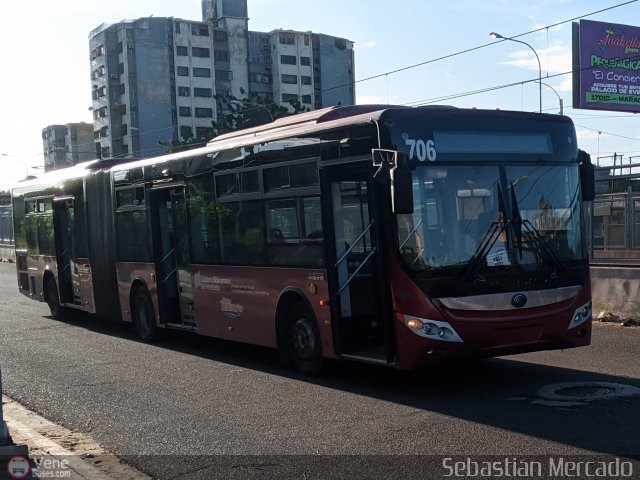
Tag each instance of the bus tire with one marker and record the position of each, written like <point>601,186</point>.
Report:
<point>58,312</point>
<point>305,347</point>
<point>143,315</point>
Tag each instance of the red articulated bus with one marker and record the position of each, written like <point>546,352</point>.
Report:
<point>383,234</point>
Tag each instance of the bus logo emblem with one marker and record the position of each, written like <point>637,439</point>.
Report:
<point>519,300</point>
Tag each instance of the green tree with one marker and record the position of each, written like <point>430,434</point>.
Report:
<point>251,111</point>
<point>237,114</point>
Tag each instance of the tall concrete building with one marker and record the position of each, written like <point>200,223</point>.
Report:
<point>67,145</point>
<point>152,80</point>
<point>157,79</point>
<point>316,70</point>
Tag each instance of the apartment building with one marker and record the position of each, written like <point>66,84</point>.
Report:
<point>67,145</point>
<point>316,70</point>
<point>156,79</point>
<point>151,81</point>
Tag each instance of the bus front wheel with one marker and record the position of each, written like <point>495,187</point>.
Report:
<point>143,315</point>
<point>305,347</point>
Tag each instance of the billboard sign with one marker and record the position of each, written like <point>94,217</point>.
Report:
<point>607,70</point>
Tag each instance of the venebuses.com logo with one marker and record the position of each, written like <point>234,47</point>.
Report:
<point>18,467</point>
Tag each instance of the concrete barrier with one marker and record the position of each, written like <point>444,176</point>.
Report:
<point>616,289</point>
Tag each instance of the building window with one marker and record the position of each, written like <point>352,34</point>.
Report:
<point>121,68</point>
<point>219,36</point>
<point>306,40</point>
<point>177,27</point>
<point>204,112</point>
<point>305,61</point>
<point>306,99</point>
<point>184,92</point>
<point>186,133</point>
<point>202,92</point>
<point>202,72</point>
<point>260,77</point>
<point>183,71</point>
<point>199,30</point>
<point>288,60</point>
<point>289,97</point>
<point>185,111</point>
<point>200,52</point>
<point>305,80</point>
<point>224,75</point>
<point>221,55</point>
<point>287,39</point>
<point>182,51</point>
<point>204,132</point>
<point>290,79</point>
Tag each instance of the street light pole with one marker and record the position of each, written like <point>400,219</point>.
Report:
<point>557,95</point>
<point>501,37</point>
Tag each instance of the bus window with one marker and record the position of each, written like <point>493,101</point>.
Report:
<point>203,215</point>
<point>294,232</point>
<point>132,226</point>
<point>243,234</point>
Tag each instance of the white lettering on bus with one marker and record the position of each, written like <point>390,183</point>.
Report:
<point>420,149</point>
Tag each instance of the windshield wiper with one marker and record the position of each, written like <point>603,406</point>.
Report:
<point>539,243</point>
<point>543,247</point>
<point>486,244</point>
<point>516,220</point>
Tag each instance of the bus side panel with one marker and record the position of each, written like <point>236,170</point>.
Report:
<point>239,303</point>
<point>101,234</point>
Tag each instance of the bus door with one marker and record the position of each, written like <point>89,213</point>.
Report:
<point>171,256</point>
<point>360,296</point>
<point>63,221</point>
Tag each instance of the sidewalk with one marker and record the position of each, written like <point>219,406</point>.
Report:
<point>56,452</point>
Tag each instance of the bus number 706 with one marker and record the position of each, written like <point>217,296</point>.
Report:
<point>423,150</point>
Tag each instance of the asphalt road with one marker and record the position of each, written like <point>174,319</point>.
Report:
<point>166,408</point>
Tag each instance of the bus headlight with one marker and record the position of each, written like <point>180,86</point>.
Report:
<point>581,315</point>
<point>432,329</point>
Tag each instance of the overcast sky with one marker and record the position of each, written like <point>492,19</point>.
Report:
<point>46,75</point>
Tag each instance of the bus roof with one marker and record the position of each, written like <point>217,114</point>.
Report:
<point>292,126</point>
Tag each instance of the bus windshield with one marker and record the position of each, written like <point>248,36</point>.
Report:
<point>492,218</point>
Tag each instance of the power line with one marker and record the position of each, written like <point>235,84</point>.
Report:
<point>426,62</point>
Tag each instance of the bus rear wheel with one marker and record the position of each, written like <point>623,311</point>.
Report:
<point>58,312</point>
<point>143,315</point>
<point>305,348</point>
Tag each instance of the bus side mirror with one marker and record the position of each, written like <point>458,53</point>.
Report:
<point>399,176</point>
<point>401,190</point>
<point>587,176</point>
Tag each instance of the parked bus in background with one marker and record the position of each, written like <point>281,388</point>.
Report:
<point>6,228</point>
<point>390,235</point>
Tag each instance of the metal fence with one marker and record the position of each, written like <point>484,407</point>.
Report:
<point>615,215</point>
